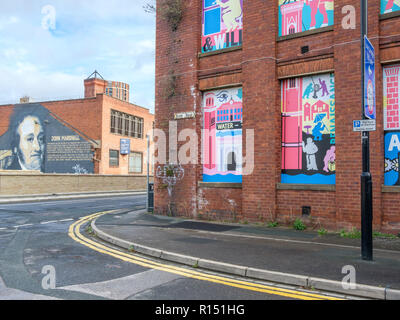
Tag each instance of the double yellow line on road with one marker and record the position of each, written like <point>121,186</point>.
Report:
<point>75,234</point>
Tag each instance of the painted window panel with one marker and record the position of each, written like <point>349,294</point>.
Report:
<point>222,137</point>
<point>308,130</point>
<point>222,24</point>
<point>388,6</point>
<point>391,105</point>
<point>302,15</point>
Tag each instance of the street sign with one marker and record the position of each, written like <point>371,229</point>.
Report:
<point>364,125</point>
<point>369,80</point>
<point>185,115</point>
<point>125,146</point>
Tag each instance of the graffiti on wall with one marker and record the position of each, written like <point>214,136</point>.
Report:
<point>222,24</point>
<point>222,135</point>
<point>170,175</point>
<point>302,15</point>
<point>308,130</point>
<point>36,140</point>
<point>388,6</point>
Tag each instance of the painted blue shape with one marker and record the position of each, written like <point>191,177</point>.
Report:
<point>240,93</point>
<point>212,21</point>
<point>209,3</point>
<point>306,179</point>
<point>229,178</point>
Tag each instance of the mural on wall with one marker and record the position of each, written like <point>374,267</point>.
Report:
<point>392,156</point>
<point>389,6</point>
<point>308,130</point>
<point>302,15</point>
<point>391,106</point>
<point>222,24</point>
<point>37,140</point>
<point>391,109</point>
<point>222,135</point>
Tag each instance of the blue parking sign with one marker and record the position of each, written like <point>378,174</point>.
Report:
<point>369,80</point>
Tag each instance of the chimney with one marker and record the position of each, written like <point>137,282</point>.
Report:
<point>94,85</point>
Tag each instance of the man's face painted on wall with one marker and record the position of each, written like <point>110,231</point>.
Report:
<point>31,143</point>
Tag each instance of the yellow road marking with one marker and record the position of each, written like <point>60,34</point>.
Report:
<point>74,233</point>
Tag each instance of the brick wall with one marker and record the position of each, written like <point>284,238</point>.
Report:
<point>36,184</point>
<point>258,66</point>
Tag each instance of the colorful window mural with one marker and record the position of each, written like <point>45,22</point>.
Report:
<point>390,6</point>
<point>391,109</point>
<point>308,130</point>
<point>222,135</point>
<point>302,15</point>
<point>222,24</point>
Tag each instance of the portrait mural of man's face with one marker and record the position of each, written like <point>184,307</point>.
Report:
<point>31,146</point>
<point>38,140</point>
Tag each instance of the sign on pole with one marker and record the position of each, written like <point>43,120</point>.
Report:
<point>364,125</point>
<point>125,146</point>
<point>369,80</point>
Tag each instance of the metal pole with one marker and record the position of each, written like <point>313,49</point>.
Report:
<point>148,179</point>
<point>366,179</point>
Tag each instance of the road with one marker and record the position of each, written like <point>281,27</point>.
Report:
<point>39,260</point>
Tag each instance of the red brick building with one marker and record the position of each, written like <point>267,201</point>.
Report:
<point>79,135</point>
<point>294,70</point>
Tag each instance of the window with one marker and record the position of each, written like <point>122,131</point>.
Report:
<point>126,124</point>
<point>218,19</point>
<point>308,130</point>
<point>114,158</point>
<point>300,16</point>
<point>222,141</point>
<point>135,162</point>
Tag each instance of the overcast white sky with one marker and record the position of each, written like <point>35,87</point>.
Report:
<point>115,37</point>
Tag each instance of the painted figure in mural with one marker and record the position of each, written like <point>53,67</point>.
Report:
<point>389,5</point>
<point>308,91</point>
<point>322,6</point>
<point>319,127</point>
<point>329,160</point>
<point>323,87</point>
<point>28,143</point>
<point>310,149</point>
<point>231,12</point>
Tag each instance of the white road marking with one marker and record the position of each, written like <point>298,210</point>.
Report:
<point>47,222</point>
<point>24,225</point>
<point>125,287</point>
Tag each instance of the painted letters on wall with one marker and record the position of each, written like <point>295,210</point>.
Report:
<point>222,24</point>
<point>388,6</point>
<point>222,135</point>
<point>36,140</point>
<point>308,130</point>
<point>302,15</point>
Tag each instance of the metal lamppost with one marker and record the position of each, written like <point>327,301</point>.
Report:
<point>366,179</point>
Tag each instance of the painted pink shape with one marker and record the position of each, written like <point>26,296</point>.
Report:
<point>329,157</point>
<point>389,5</point>
<point>315,5</point>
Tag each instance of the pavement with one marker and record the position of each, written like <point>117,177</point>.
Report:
<point>67,196</point>
<point>280,255</point>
